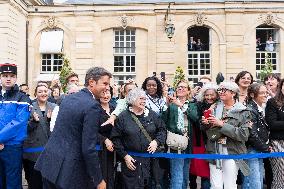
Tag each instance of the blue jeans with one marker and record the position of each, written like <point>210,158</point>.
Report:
<point>255,178</point>
<point>179,173</point>
<point>11,162</point>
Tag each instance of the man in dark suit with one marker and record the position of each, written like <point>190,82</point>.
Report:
<point>70,159</point>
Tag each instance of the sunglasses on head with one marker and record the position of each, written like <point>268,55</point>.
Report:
<point>223,90</point>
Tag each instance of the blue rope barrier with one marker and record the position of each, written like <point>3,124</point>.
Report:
<point>185,156</point>
<point>207,156</point>
<point>33,150</point>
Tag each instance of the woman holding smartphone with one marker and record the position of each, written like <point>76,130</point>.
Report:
<point>206,100</point>
<point>227,130</point>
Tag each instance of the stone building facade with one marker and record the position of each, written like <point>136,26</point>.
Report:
<point>129,39</point>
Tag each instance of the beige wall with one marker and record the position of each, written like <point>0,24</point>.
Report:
<point>13,37</point>
<point>88,35</point>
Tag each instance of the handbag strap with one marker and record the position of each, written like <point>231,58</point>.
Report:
<point>141,127</point>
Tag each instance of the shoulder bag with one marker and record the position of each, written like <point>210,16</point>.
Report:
<point>176,141</point>
<point>159,148</point>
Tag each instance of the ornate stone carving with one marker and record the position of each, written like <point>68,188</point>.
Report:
<point>51,22</point>
<point>200,18</point>
<point>125,21</point>
<point>268,18</point>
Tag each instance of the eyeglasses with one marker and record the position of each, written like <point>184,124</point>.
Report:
<point>222,90</point>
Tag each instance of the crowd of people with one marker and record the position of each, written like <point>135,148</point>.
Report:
<point>87,138</point>
<point>269,45</point>
<point>196,45</point>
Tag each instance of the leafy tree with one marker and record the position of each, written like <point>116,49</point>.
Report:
<point>267,69</point>
<point>178,76</point>
<point>65,71</point>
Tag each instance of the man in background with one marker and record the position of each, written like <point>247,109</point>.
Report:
<point>24,88</point>
<point>72,78</point>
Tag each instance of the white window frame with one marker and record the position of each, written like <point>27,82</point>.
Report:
<point>52,60</point>
<point>197,66</point>
<point>124,46</point>
<point>260,61</point>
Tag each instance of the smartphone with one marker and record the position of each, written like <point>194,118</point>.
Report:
<point>207,113</point>
<point>163,76</point>
<point>171,92</point>
<point>199,84</point>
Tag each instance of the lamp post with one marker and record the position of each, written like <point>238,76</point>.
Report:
<point>169,26</point>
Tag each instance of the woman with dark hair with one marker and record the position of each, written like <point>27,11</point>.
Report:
<point>274,115</point>
<point>155,101</point>
<point>38,134</point>
<point>259,137</point>
<point>55,94</point>
<point>107,155</point>
<point>154,94</point>
<point>243,80</point>
<point>271,82</point>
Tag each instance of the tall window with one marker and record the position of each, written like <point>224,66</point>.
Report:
<point>124,55</point>
<point>51,63</point>
<point>267,47</point>
<point>199,62</point>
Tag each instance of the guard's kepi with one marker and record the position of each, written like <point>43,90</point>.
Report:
<point>8,68</point>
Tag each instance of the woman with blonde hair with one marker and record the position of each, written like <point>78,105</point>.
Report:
<point>180,115</point>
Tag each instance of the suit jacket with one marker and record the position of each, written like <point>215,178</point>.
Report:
<point>70,159</point>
